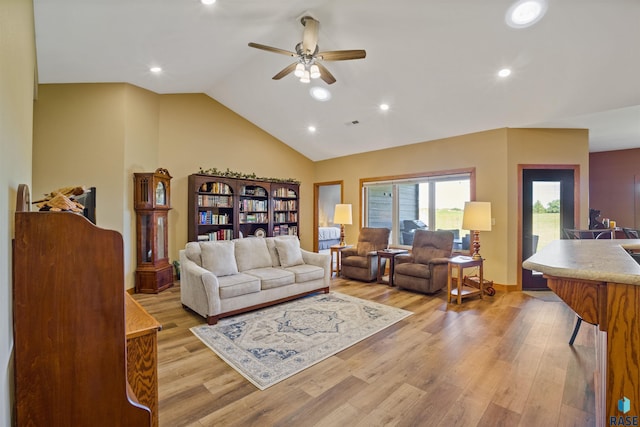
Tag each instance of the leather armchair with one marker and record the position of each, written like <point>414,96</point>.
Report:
<point>361,262</point>
<point>425,269</point>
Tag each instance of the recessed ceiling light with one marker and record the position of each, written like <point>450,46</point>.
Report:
<point>207,2</point>
<point>505,72</point>
<point>155,70</point>
<point>319,93</point>
<point>311,129</point>
<point>384,107</point>
<point>525,13</point>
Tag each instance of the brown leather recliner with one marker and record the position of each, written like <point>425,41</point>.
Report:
<point>361,262</point>
<point>425,269</point>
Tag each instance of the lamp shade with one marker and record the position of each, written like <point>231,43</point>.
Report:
<point>342,214</point>
<point>477,216</point>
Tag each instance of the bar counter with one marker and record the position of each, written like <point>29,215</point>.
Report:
<point>600,281</point>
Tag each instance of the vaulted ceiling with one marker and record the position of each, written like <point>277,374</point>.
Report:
<point>434,62</point>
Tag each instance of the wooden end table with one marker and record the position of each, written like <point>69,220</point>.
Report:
<point>337,249</point>
<point>461,291</point>
<point>389,254</point>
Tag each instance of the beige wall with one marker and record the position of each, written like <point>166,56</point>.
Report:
<point>198,132</point>
<point>495,154</point>
<point>141,115</point>
<point>100,134</point>
<point>17,56</point>
<point>539,147</point>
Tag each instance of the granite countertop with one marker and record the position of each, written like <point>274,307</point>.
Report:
<point>601,260</point>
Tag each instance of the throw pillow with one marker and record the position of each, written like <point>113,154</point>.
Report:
<point>289,252</point>
<point>219,257</point>
<point>273,251</point>
<point>193,252</point>
<point>252,252</point>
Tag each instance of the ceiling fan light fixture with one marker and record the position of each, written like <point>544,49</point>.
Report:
<point>306,77</point>
<point>314,71</point>
<point>299,72</point>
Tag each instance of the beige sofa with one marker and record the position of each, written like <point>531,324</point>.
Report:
<point>223,278</point>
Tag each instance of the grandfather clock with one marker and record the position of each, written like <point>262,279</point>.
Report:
<point>152,195</point>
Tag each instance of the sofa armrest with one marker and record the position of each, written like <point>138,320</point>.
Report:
<point>320,260</point>
<point>199,288</point>
<point>436,261</point>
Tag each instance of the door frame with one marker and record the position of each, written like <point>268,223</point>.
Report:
<point>576,205</point>
<point>316,197</point>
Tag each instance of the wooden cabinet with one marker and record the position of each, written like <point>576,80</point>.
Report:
<point>152,203</point>
<point>70,361</point>
<point>223,208</point>
<point>142,355</point>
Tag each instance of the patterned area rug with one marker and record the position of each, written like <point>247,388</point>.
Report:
<point>272,344</point>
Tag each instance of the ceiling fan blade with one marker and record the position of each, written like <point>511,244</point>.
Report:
<point>285,71</point>
<point>325,74</point>
<point>310,35</point>
<point>341,55</point>
<point>272,49</point>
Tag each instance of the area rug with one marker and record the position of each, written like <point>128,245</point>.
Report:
<point>272,344</point>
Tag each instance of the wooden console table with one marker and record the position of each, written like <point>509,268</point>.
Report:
<point>600,281</point>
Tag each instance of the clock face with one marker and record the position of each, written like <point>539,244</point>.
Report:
<point>161,194</point>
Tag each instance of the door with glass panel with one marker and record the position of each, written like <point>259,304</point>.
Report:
<point>547,209</point>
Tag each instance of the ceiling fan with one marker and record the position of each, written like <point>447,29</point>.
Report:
<point>307,65</point>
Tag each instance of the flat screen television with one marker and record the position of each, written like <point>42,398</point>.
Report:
<point>88,200</point>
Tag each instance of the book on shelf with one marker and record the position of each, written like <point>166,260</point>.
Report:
<point>224,234</point>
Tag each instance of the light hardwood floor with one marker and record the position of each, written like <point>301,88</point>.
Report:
<point>501,361</point>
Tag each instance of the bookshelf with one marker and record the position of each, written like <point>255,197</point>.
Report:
<point>223,208</point>
<point>285,209</point>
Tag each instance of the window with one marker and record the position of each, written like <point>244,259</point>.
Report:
<point>430,201</point>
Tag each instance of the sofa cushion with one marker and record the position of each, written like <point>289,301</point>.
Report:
<point>273,251</point>
<point>238,284</point>
<point>219,257</point>
<point>289,251</point>
<point>356,261</point>
<point>272,277</point>
<point>251,253</point>
<point>306,272</point>
<point>192,251</point>
<point>415,270</point>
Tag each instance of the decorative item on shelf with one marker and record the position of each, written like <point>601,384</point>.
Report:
<point>62,199</point>
<point>239,175</point>
<point>476,218</point>
<point>342,216</point>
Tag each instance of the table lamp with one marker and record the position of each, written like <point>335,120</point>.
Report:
<point>342,216</point>
<point>476,218</point>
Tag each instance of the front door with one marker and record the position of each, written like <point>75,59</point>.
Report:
<point>547,209</point>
